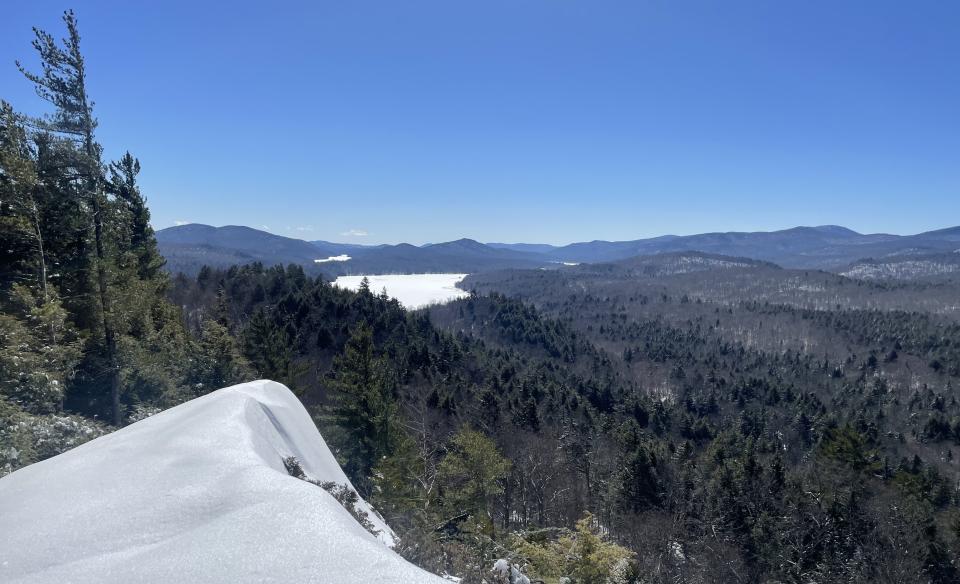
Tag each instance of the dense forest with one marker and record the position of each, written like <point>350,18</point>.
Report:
<point>686,418</point>
<point>703,458</point>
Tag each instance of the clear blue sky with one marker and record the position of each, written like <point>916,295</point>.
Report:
<point>522,120</point>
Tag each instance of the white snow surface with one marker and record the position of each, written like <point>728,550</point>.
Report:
<point>198,493</point>
<point>336,258</point>
<point>412,290</point>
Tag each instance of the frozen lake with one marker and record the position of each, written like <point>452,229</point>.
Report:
<point>412,290</point>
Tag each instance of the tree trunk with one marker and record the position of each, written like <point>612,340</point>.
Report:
<point>43,272</point>
<point>96,196</point>
<point>39,234</point>
<point>108,332</point>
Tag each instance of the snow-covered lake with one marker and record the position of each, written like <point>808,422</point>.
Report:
<point>412,290</point>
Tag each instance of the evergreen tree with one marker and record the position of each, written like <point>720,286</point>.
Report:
<point>267,346</point>
<point>217,362</point>
<point>363,406</point>
<point>69,233</point>
<point>22,255</point>
<point>473,472</point>
<point>590,558</point>
<point>62,83</point>
<point>38,351</point>
<point>142,243</point>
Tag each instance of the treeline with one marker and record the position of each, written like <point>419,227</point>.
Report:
<point>85,326</point>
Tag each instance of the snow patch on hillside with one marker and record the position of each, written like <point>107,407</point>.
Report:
<point>336,258</point>
<point>198,493</point>
<point>900,270</point>
<point>412,290</point>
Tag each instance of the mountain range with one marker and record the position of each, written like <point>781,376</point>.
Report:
<point>827,247</point>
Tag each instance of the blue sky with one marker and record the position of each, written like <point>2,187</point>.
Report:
<point>523,120</point>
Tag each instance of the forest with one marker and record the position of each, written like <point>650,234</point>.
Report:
<point>680,418</point>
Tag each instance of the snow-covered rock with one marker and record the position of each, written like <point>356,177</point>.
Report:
<point>198,493</point>
<point>503,572</point>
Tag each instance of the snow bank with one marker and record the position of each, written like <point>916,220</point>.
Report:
<point>412,290</point>
<point>198,493</point>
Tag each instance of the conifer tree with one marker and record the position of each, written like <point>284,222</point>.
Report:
<point>21,237</point>
<point>218,363</point>
<point>267,346</point>
<point>363,405</point>
<point>38,351</point>
<point>143,244</point>
<point>473,472</point>
<point>62,83</point>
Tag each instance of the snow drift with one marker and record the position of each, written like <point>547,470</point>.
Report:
<point>198,493</point>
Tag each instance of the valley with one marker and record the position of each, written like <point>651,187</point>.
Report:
<point>228,405</point>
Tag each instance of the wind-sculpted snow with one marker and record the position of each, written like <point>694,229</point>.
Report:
<point>198,493</point>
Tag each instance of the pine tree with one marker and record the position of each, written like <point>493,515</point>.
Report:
<point>592,559</point>
<point>473,472</point>
<point>62,83</point>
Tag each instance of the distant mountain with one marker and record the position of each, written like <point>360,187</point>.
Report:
<point>240,238</point>
<point>460,256</point>
<point>672,263</point>
<point>189,247</point>
<point>664,264</point>
<point>527,247</point>
<point>827,247</point>
<point>471,248</point>
<point>320,244</point>
<point>823,247</point>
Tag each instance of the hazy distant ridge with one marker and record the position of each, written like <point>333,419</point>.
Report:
<point>830,247</point>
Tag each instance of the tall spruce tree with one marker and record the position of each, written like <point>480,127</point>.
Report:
<point>363,406</point>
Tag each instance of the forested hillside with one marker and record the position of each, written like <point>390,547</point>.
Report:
<point>705,454</point>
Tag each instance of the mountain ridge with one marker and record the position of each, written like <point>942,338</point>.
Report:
<point>828,247</point>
